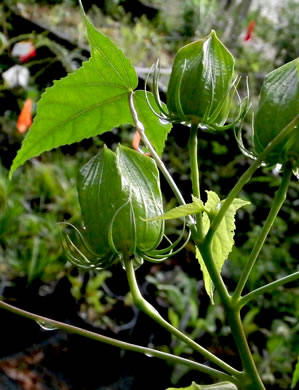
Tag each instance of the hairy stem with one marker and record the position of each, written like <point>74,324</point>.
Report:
<point>276,205</point>
<point>148,309</point>
<point>113,342</point>
<point>267,288</point>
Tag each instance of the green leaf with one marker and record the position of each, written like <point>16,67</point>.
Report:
<point>109,62</point>
<point>155,130</point>
<point>89,102</point>
<point>295,378</point>
<point>278,106</point>
<point>215,386</point>
<point>181,211</point>
<point>223,239</point>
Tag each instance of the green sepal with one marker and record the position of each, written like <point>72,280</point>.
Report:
<point>200,82</point>
<point>278,106</point>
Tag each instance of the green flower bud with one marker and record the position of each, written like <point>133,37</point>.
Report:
<point>200,84</point>
<point>118,192</point>
<point>278,106</point>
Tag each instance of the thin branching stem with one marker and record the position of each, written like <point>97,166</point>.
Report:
<point>278,201</point>
<point>148,309</point>
<point>247,176</point>
<point>156,157</point>
<point>114,342</point>
<point>267,288</point>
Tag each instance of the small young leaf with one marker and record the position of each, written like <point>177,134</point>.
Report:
<point>215,386</point>
<point>223,239</point>
<point>181,211</point>
<point>295,379</point>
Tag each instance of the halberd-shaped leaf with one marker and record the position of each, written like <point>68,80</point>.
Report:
<point>90,101</point>
<point>278,106</point>
<point>223,239</point>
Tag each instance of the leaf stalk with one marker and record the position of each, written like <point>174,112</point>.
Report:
<point>116,343</point>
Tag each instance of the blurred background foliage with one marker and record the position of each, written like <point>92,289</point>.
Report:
<point>262,36</point>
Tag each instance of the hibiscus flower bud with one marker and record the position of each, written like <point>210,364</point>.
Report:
<point>278,106</point>
<point>118,193</point>
<point>201,81</point>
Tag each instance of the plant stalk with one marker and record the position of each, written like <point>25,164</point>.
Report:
<point>278,201</point>
<point>116,343</point>
<point>251,379</point>
<point>267,288</point>
<point>206,253</point>
<point>193,146</point>
<point>148,309</point>
<point>247,176</point>
<point>193,150</point>
<point>156,157</point>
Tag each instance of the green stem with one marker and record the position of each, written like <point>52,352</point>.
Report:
<point>193,150</point>
<point>113,342</point>
<point>192,144</point>
<point>247,176</point>
<point>155,156</point>
<point>251,379</point>
<point>159,162</point>
<point>268,287</point>
<point>148,309</point>
<point>206,253</point>
<point>278,201</point>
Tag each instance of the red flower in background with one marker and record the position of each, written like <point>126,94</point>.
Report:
<point>25,117</point>
<point>26,57</point>
<point>24,50</point>
<point>249,31</point>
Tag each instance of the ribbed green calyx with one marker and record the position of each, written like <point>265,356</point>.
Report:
<point>118,192</point>
<point>278,106</point>
<point>200,82</point>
